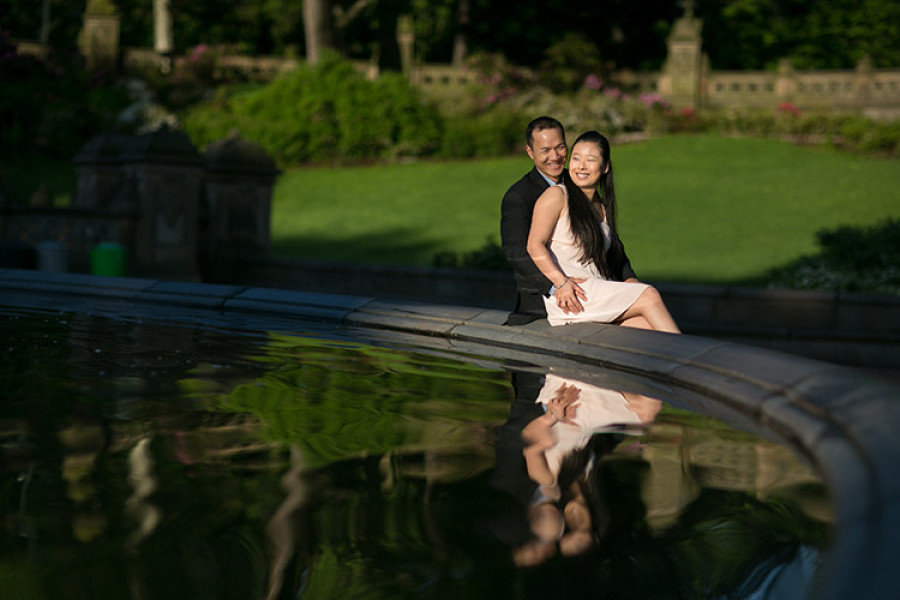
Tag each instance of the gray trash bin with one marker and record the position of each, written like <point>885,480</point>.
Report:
<point>52,256</point>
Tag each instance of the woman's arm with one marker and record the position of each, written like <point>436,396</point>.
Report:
<point>547,210</point>
<point>538,438</point>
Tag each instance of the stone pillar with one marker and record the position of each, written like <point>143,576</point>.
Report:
<point>680,82</point>
<point>99,169</point>
<point>163,173</point>
<point>163,35</point>
<point>461,39</point>
<point>786,84</point>
<point>406,39</point>
<point>237,200</point>
<point>863,81</point>
<point>99,37</point>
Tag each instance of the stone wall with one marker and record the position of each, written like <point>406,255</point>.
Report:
<point>170,208</point>
<point>875,92</point>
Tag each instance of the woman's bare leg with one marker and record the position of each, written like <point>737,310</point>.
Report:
<point>636,322</point>
<point>651,307</point>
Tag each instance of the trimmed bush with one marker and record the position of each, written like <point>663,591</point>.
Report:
<point>499,132</point>
<point>852,259</point>
<point>323,113</point>
<point>845,130</point>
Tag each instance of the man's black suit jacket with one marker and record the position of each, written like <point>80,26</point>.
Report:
<point>516,212</point>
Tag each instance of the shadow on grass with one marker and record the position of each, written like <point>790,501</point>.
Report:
<point>850,258</point>
<point>399,246</point>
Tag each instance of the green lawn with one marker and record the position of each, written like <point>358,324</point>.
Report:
<point>692,208</point>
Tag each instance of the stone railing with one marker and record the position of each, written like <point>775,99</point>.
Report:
<point>434,76</point>
<point>736,88</point>
<point>639,82</point>
<point>864,89</point>
<point>257,68</point>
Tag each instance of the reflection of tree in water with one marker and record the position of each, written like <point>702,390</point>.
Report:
<point>180,446</point>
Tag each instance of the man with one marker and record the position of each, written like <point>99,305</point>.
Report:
<point>545,143</point>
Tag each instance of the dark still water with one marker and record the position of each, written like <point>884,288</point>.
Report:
<point>151,461</point>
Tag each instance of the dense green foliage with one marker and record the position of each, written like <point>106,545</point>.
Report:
<point>745,34</point>
<point>331,113</point>
<point>50,106</point>
<point>321,113</point>
<point>826,34</point>
<point>22,20</point>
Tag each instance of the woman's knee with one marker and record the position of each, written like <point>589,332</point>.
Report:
<point>651,296</point>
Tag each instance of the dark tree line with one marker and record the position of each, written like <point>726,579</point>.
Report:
<point>738,34</point>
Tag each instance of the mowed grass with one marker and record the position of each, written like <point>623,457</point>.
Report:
<point>691,208</point>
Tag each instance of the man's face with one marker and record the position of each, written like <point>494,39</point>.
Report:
<point>548,151</point>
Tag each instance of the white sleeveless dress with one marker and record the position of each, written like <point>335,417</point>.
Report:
<point>599,410</point>
<point>606,300</point>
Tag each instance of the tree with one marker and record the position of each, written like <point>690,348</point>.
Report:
<point>318,23</point>
<point>825,34</point>
<point>460,39</point>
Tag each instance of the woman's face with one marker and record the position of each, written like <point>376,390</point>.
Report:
<point>586,165</point>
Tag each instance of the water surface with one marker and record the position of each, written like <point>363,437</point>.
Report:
<point>149,460</point>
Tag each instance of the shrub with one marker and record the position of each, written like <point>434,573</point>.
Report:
<point>322,113</point>
<point>498,132</point>
<point>687,120</point>
<point>585,110</point>
<point>881,137</point>
<point>851,259</point>
<point>570,62</point>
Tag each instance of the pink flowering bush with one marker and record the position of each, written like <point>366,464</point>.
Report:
<point>198,67</point>
<point>497,81</point>
<point>654,101</point>
<point>592,82</point>
<point>788,108</point>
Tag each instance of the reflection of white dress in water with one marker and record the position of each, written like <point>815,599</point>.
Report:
<point>607,300</point>
<point>599,410</point>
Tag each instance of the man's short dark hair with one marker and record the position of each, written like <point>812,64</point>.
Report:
<point>540,124</point>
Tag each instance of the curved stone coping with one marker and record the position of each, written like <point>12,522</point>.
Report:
<point>842,419</point>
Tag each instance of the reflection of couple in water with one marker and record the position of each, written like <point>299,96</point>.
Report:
<point>563,440</point>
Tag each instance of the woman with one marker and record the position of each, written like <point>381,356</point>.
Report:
<point>573,241</point>
<point>563,449</point>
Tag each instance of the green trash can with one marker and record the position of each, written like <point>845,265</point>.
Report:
<point>108,258</point>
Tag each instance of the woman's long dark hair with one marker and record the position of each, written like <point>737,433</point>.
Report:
<point>583,218</point>
<point>583,467</point>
